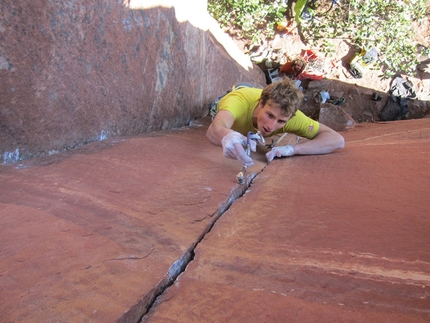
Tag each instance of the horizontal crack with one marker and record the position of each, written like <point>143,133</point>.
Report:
<point>132,257</point>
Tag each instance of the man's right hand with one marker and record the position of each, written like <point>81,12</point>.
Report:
<point>232,146</point>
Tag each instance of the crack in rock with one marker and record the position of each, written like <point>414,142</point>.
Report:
<point>138,311</point>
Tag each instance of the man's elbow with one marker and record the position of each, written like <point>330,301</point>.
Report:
<point>335,142</point>
<point>340,141</point>
<point>210,136</point>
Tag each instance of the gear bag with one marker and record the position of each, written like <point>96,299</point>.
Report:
<point>396,107</point>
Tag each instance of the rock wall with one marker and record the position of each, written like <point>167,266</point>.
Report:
<point>78,71</point>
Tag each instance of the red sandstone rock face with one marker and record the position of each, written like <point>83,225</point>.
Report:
<point>342,237</point>
<point>73,72</point>
<point>95,234</point>
<point>91,234</point>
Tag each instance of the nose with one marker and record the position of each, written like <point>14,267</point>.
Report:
<point>271,125</point>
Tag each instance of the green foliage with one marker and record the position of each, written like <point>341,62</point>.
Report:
<point>383,24</point>
<point>253,18</point>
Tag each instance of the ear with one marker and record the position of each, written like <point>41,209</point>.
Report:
<point>260,104</point>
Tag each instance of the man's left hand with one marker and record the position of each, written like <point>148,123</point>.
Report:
<point>282,151</point>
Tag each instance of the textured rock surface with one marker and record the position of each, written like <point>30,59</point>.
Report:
<point>334,238</point>
<point>335,117</point>
<point>94,234</point>
<point>73,72</point>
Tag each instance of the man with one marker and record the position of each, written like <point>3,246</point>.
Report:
<point>293,69</point>
<point>270,111</point>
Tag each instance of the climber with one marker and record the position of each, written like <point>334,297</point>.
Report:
<point>270,111</point>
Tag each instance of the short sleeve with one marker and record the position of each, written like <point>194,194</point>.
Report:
<point>302,126</point>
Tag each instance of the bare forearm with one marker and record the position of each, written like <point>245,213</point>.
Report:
<point>216,131</point>
<point>324,143</point>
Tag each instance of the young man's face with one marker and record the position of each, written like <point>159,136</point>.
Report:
<point>297,67</point>
<point>270,118</point>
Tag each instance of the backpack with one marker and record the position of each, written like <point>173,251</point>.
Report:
<point>396,107</point>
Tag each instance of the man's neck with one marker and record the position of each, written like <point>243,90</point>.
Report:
<point>255,116</point>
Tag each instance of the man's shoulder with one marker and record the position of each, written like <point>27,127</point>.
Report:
<point>302,125</point>
<point>240,102</point>
<point>248,91</point>
<point>244,95</point>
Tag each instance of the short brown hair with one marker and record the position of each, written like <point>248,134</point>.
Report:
<point>285,93</point>
<point>299,60</point>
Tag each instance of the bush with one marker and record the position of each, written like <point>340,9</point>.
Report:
<point>251,18</point>
<point>365,24</point>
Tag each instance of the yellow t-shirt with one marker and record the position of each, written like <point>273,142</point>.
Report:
<point>242,103</point>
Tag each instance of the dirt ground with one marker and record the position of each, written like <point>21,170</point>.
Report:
<point>339,82</point>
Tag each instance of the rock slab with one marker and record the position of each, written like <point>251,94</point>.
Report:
<point>74,72</point>
<point>331,238</point>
